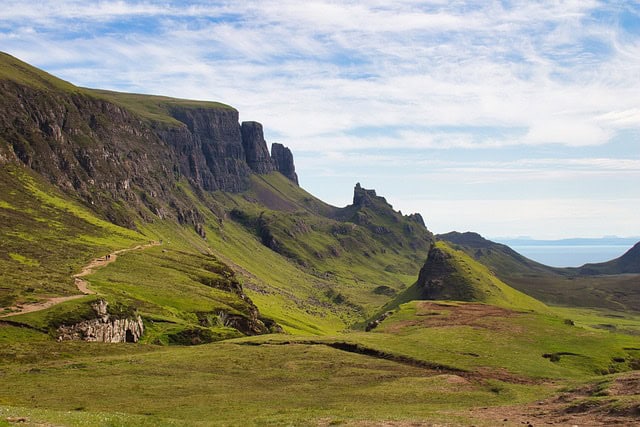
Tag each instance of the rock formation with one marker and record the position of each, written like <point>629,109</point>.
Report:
<point>104,328</point>
<point>440,280</point>
<point>283,160</point>
<point>255,148</point>
<point>209,148</point>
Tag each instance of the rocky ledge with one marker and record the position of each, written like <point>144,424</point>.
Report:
<point>104,328</point>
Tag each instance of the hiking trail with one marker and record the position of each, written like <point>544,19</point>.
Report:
<point>81,284</point>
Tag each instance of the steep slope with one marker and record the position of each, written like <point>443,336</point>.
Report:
<point>187,173</point>
<point>450,274</point>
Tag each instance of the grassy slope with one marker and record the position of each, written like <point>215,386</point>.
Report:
<point>478,282</point>
<point>290,380</point>
<point>554,286</point>
<point>46,238</point>
<point>81,383</point>
<point>152,107</point>
<point>17,71</point>
<point>343,269</point>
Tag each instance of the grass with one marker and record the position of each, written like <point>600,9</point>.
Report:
<point>227,384</point>
<point>154,108</point>
<point>284,379</point>
<point>46,238</point>
<point>12,69</point>
<point>317,270</point>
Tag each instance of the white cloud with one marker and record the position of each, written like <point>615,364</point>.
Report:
<point>438,76</point>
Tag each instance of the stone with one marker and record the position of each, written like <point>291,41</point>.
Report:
<point>104,328</point>
<point>283,160</point>
<point>255,148</point>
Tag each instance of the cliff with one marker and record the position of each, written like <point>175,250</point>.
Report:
<point>283,160</point>
<point>122,154</point>
<point>255,148</point>
<point>104,328</point>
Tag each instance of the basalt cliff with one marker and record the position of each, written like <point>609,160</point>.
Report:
<point>94,145</point>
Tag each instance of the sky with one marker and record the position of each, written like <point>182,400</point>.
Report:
<point>508,118</point>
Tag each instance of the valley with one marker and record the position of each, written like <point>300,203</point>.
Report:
<point>262,304</point>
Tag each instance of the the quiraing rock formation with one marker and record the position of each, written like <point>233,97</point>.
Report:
<point>283,160</point>
<point>104,328</point>
<point>255,148</point>
<point>439,279</point>
<point>125,162</point>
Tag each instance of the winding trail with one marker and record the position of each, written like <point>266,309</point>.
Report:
<point>81,284</point>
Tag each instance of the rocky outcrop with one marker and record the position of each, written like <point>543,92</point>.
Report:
<point>255,148</point>
<point>364,197</point>
<point>209,148</point>
<point>283,160</point>
<point>440,280</point>
<point>104,328</point>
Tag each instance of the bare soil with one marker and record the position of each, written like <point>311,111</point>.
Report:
<point>438,315</point>
<point>616,405</point>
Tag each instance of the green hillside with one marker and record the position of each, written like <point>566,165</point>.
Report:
<point>254,294</point>
<point>451,274</point>
<point>608,286</point>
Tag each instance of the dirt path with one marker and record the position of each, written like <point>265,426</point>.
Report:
<point>81,284</point>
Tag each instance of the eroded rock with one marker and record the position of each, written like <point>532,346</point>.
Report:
<point>104,328</point>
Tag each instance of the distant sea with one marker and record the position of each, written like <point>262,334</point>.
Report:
<point>570,252</point>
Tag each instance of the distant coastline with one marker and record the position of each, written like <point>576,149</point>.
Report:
<point>573,252</point>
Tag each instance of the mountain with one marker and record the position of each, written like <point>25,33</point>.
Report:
<point>451,274</point>
<point>155,224</point>
<point>498,257</point>
<point>243,248</point>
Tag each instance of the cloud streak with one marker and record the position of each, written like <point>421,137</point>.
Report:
<point>439,78</point>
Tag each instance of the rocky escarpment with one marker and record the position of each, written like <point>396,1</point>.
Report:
<point>208,147</point>
<point>89,148</point>
<point>122,162</point>
<point>104,328</point>
<point>376,214</point>
<point>255,148</point>
<point>283,160</point>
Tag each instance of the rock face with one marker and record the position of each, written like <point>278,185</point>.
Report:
<point>283,160</point>
<point>364,197</point>
<point>255,148</point>
<point>104,328</point>
<point>209,148</point>
<point>125,165</point>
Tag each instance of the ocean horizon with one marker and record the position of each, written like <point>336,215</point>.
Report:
<point>562,255</point>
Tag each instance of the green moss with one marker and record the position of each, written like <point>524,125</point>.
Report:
<point>24,260</point>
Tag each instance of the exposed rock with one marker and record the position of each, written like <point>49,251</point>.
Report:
<point>375,323</point>
<point>283,159</point>
<point>209,148</point>
<point>255,148</point>
<point>416,217</point>
<point>364,197</point>
<point>104,328</point>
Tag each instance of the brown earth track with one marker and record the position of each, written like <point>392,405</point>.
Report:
<point>81,284</point>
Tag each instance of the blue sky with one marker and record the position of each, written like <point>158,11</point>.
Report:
<point>507,118</point>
